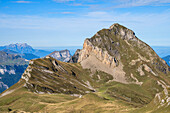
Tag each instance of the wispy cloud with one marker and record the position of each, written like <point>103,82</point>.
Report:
<point>135,3</point>
<point>146,26</point>
<point>62,1</point>
<point>26,2</point>
<point>77,4</point>
<point>97,14</point>
<point>65,12</point>
<point>89,19</point>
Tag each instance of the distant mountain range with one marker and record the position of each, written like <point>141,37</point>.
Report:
<point>11,59</point>
<point>10,51</point>
<point>14,60</point>
<point>27,52</point>
<point>23,48</point>
<point>27,56</point>
<point>11,68</point>
<point>72,49</point>
<point>19,47</point>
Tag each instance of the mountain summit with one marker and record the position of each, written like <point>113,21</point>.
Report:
<point>24,48</point>
<point>117,51</point>
<point>19,47</point>
<point>114,72</point>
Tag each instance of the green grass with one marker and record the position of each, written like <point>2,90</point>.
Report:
<point>24,100</point>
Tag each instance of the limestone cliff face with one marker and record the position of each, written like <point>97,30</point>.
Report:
<point>117,48</point>
<point>102,55</point>
<point>96,47</point>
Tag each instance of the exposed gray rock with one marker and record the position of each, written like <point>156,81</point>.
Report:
<point>63,55</point>
<point>75,57</point>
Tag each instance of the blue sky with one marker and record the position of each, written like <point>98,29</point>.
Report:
<point>49,23</point>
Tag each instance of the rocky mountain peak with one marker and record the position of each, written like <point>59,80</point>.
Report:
<point>19,47</point>
<point>124,32</point>
<point>75,57</point>
<point>63,55</point>
<point>115,24</point>
<point>116,50</point>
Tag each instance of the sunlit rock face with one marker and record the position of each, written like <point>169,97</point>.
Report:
<point>116,50</point>
<point>63,55</point>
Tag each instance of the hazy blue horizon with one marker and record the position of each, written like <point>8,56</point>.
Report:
<point>162,51</point>
<point>72,49</point>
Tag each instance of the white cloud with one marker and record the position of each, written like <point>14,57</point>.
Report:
<point>97,14</point>
<point>135,3</point>
<point>62,1</point>
<point>148,27</point>
<point>27,2</point>
<point>67,12</point>
<point>89,19</point>
<point>77,4</point>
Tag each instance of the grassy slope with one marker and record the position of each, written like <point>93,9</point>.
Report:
<point>155,106</point>
<point>66,78</point>
<point>110,96</point>
<point>23,100</point>
<point>101,101</point>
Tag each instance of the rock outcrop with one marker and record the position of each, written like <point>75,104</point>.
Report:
<point>63,55</point>
<point>118,48</point>
<point>74,58</point>
<point>102,55</point>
